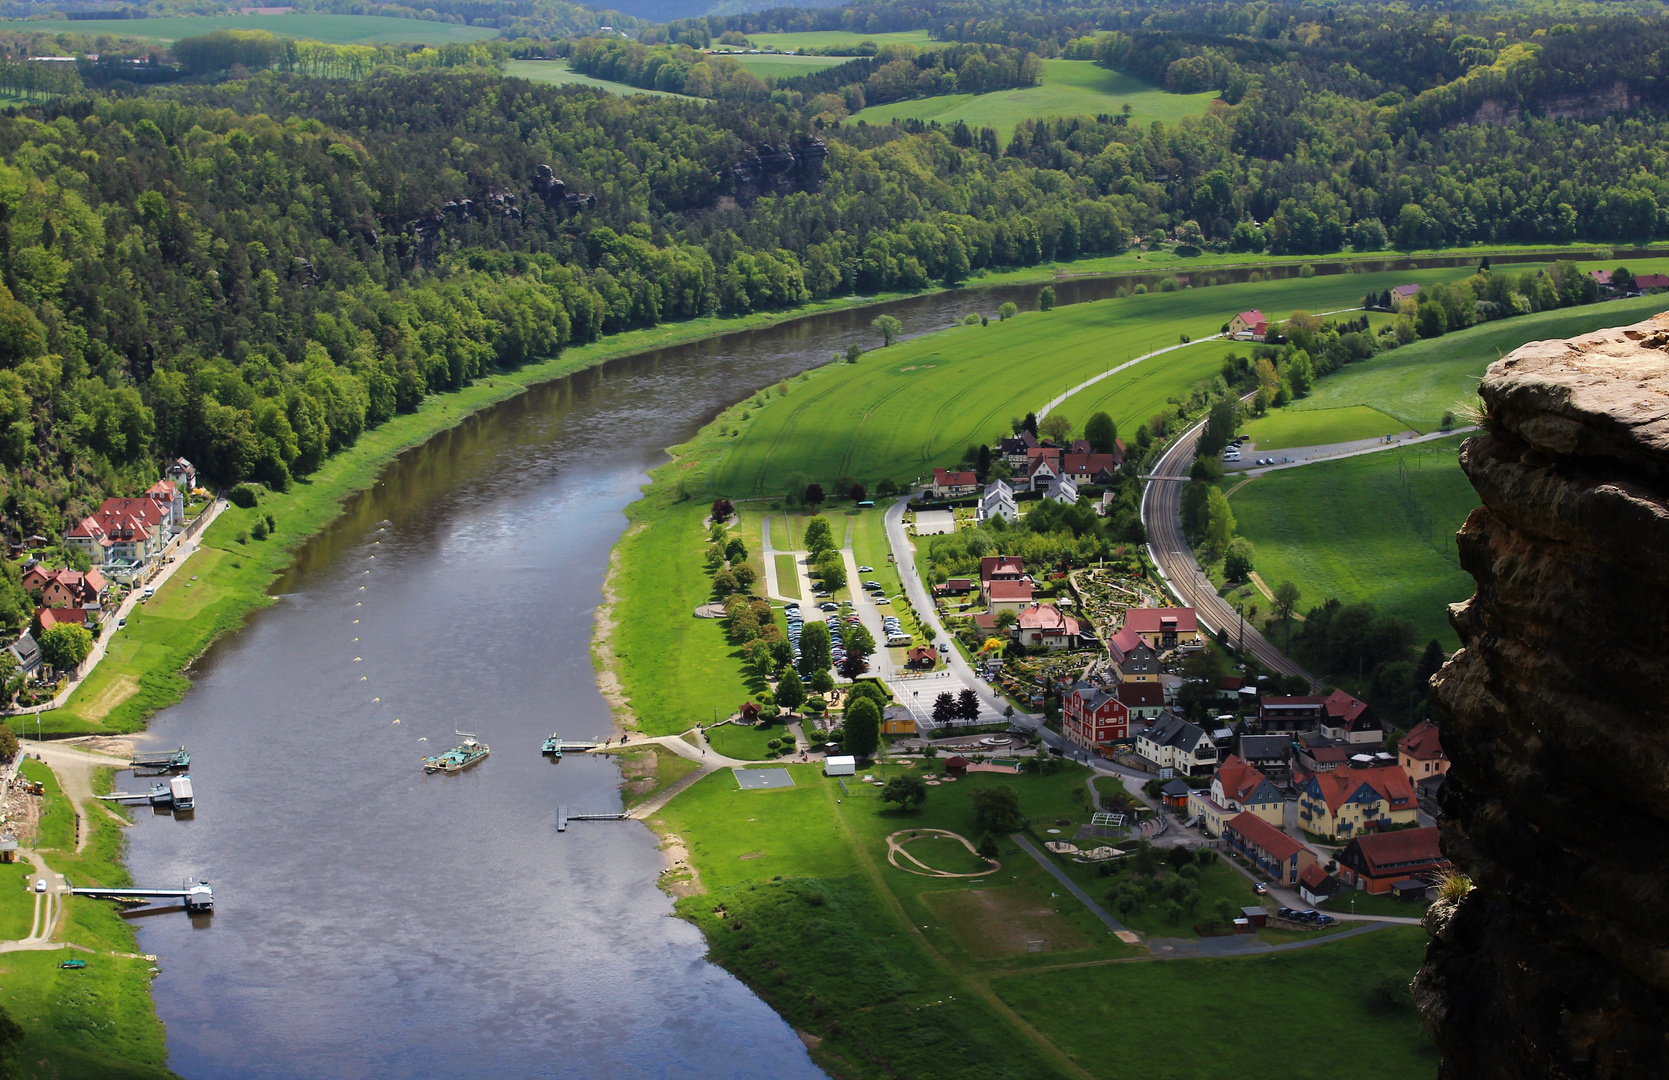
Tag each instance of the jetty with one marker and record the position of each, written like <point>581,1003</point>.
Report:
<point>563,817</point>
<point>557,746</point>
<point>165,761</point>
<point>177,792</point>
<point>197,897</point>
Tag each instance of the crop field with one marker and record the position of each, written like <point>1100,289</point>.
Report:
<point>1418,383</point>
<point>822,39</point>
<point>902,410</point>
<point>330,29</point>
<point>782,66</point>
<point>1379,528</point>
<point>1133,1020</point>
<point>1069,88</point>
<point>1284,429</point>
<point>558,73</point>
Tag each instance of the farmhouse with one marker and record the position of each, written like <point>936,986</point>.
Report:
<point>1399,293</point>
<point>1133,658</point>
<point>1346,802</point>
<point>1377,862</point>
<point>1421,753</point>
<point>1275,853</point>
<point>1145,700</point>
<point>1651,282</point>
<point>1015,450</point>
<point>1099,469</point>
<point>1047,626</point>
<point>1249,326</point>
<point>1164,628</point>
<point>1176,744</point>
<point>1237,788</point>
<point>953,485</point>
<point>1092,717</point>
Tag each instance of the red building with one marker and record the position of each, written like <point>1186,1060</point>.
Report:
<point>1093,717</point>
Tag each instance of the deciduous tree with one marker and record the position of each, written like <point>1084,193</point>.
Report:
<point>997,808</point>
<point>890,328</point>
<point>908,791</point>
<point>65,645</point>
<point>863,728</point>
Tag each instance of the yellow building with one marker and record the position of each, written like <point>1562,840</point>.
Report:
<point>1348,802</point>
<point>1236,789</point>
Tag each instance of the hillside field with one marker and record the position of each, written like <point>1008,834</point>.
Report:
<point>822,39</point>
<point>558,73</point>
<point>330,29</point>
<point>782,66</point>
<point>1069,88</point>
<point>1284,429</point>
<point>1380,528</point>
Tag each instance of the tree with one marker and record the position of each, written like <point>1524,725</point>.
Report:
<point>819,536</point>
<point>863,728</point>
<point>944,708</point>
<point>1046,299</point>
<point>1056,428</point>
<point>988,847</point>
<point>997,808</point>
<point>1101,433</point>
<point>982,463</point>
<point>1286,600</point>
<point>1007,311</point>
<point>967,705</point>
<point>908,791</point>
<point>742,575</point>
<point>722,510</point>
<point>861,644</point>
<point>854,353</point>
<point>1219,527</point>
<point>1219,426</point>
<point>890,327</point>
<point>1029,424</point>
<point>1237,564</point>
<point>8,746</point>
<point>821,681</point>
<point>737,550</point>
<point>791,692</point>
<point>1431,661</point>
<point>814,496</point>
<point>64,645</point>
<point>831,568</point>
<point>814,648</point>
<point>858,493</point>
<point>11,677</point>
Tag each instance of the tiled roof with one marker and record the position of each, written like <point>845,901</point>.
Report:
<point>946,478</point>
<point>1123,643</point>
<point>992,565</point>
<point>1260,833</point>
<point>1399,847</point>
<point>1010,590</point>
<point>1341,785</point>
<point>1046,617</point>
<point>1244,783</point>
<point>1252,317</point>
<point>1152,620</point>
<point>1317,880</point>
<point>1423,743</point>
<point>1141,695</point>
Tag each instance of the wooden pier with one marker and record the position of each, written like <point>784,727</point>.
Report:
<point>563,817</point>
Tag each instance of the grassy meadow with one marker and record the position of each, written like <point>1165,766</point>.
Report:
<point>1284,429</point>
<point>1069,88</point>
<point>783,66</point>
<point>822,39</point>
<point>558,73</point>
<point>1379,528</point>
<point>330,29</point>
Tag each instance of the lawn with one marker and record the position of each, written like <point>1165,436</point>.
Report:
<point>558,73</point>
<point>1385,905</point>
<point>822,39</point>
<point>1379,528</point>
<point>1284,429</point>
<point>17,901</point>
<point>747,743</point>
<point>1069,88</point>
<point>788,576</point>
<point>330,29</point>
<point>648,771</point>
<point>1308,1010</point>
<point>57,821</point>
<point>1418,383</point>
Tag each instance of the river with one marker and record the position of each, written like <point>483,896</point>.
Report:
<point>373,921</point>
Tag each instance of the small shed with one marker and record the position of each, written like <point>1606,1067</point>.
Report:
<point>956,766</point>
<point>1256,916</point>
<point>1176,794</point>
<point>1409,889</point>
<point>1316,886</point>
<point>8,848</point>
<point>840,766</point>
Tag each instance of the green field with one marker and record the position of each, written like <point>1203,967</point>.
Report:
<point>782,66</point>
<point>1069,88</point>
<point>1177,1021</point>
<point>1379,528</point>
<point>330,29</point>
<point>822,39</point>
<point>558,73</point>
<point>1284,429</point>
<point>1418,383</point>
<point>17,901</point>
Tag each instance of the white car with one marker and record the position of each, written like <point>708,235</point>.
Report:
<point>40,884</point>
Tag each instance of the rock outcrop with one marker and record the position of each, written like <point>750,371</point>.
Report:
<point>1555,714</point>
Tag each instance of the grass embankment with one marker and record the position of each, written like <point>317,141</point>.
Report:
<point>98,1021</point>
<point>1309,1010</point>
<point>1378,528</point>
<point>17,900</point>
<point>558,73</point>
<point>55,828</point>
<point>330,29</point>
<point>1068,88</point>
<point>649,770</point>
<point>1284,429</point>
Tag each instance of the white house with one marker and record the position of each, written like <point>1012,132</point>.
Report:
<point>998,502</point>
<point>1063,490</point>
<point>1177,744</point>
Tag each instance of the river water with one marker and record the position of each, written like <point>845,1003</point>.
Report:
<point>376,922</point>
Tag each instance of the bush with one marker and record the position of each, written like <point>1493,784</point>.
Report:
<point>244,495</point>
<point>242,537</point>
<point>1306,271</point>
<point>1391,994</point>
<point>259,529</point>
<point>8,744</point>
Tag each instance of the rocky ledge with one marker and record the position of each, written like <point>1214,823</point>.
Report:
<point>1555,714</point>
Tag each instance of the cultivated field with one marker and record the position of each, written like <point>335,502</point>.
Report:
<point>1379,528</point>
<point>780,66</point>
<point>822,39</point>
<point>558,73</point>
<point>1069,88</point>
<point>330,29</point>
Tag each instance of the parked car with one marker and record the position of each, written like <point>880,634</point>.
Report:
<point>1261,888</point>
<point>827,606</point>
<point>40,884</point>
<point>866,569</point>
<point>1286,913</point>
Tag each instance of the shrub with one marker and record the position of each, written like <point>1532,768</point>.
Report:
<point>244,495</point>
<point>242,537</point>
<point>1306,271</point>
<point>259,529</point>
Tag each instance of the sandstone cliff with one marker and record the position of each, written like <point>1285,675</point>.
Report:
<point>1556,717</point>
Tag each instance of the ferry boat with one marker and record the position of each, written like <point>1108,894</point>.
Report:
<point>458,758</point>
<point>553,747</point>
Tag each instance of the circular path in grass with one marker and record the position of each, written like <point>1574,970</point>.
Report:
<point>898,841</point>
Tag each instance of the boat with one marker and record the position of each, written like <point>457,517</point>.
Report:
<point>73,964</point>
<point>458,758</point>
<point>166,761</point>
<point>553,747</point>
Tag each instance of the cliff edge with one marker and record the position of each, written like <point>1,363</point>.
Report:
<point>1555,714</point>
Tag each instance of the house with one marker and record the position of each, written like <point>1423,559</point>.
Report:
<point>998,502</point>
<point>922,658</point>
<point>1376,862</point>
<point>1000,568</point>
<point>1063,489</point>
<point>1164,628</point>
<point>1603,277</point>
<point>1399,293</point>
<point>168,496</point>
<point>1347,720</point>
<point>1249,326</point>
<point>8,848</point>
<point>1175,794</point>
<point>1174,743</point>
<point>1237,788</point>
<point>1135,660</point>
<point>1145,701</point>
<point>1015,450</point>
<point>1421,753</point>
<point>1013,596</point>
<point>1651,282</point>
<point>953,485</point>
<point>1092,717</point>
<point>1317,886</point>
<point>121,530</point>
<point>48,617</point>
<point>1267,753</point>
<point>1319,756</point>
<point>67,588</point>
<point>28,654</point>
<point>1042,468</point>
<point>181,474</point>
<point>1291,714</point>
<point>1003,584</point>
<point>1047,626</point>
<point>956,586</point>
<point>895,721</point>
<point>1347,802</point>
<point>1101,469</point>
<point>1273,851</point>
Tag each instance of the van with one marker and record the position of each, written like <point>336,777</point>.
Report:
<point>897,640</point>
<point>150,591</point>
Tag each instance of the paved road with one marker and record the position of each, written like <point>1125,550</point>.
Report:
<point>1168,547</point>
<point>1071,886</point>
<point>1309,455</point>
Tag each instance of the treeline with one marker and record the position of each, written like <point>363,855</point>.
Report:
<point>676,69</point>
<point>516,18</point>
<point>898,72</point>
<point>243,52</point>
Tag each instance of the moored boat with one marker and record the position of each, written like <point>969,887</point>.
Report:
<point>458,758</point>
<point>552,746</point>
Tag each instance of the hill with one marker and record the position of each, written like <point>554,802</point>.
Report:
<point>330,29</point>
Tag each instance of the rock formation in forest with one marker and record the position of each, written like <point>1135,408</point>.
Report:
<point>1555,714</point>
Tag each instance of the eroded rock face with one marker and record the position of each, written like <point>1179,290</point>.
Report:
<point>1556,718</point>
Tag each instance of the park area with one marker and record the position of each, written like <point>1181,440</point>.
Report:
<point>309,26</point>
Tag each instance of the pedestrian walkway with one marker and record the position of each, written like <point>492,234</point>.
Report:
<point>1310,455</point>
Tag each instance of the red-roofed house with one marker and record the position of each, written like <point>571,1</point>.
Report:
<point>1092,717</point>
<point>1276,854</point>
<point>121,530</point>
<point>1164,628</point>
<point>1601,276</point>
<point>48,617</point>
<point>1650,282</point>
<point>1047,626</point>
<point>1013,596</point>
<point>1421,753</point>
<point>1042,468</point>
<point>67,588</point>
<point>1249,324</point>
<point>1347,802</point>
<point>1349,720</point>
<point>1316,886</point>
<point>1135,660</point>
<point>1237,788</point>
<point>1007,571</point>
<point>924,657</point>
<point>1375,862</point>
<point>166,494</point>
<point>1400,293</point>
<point>953,485</point>
<point>1144,700</point>
<point>1093,468</point>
